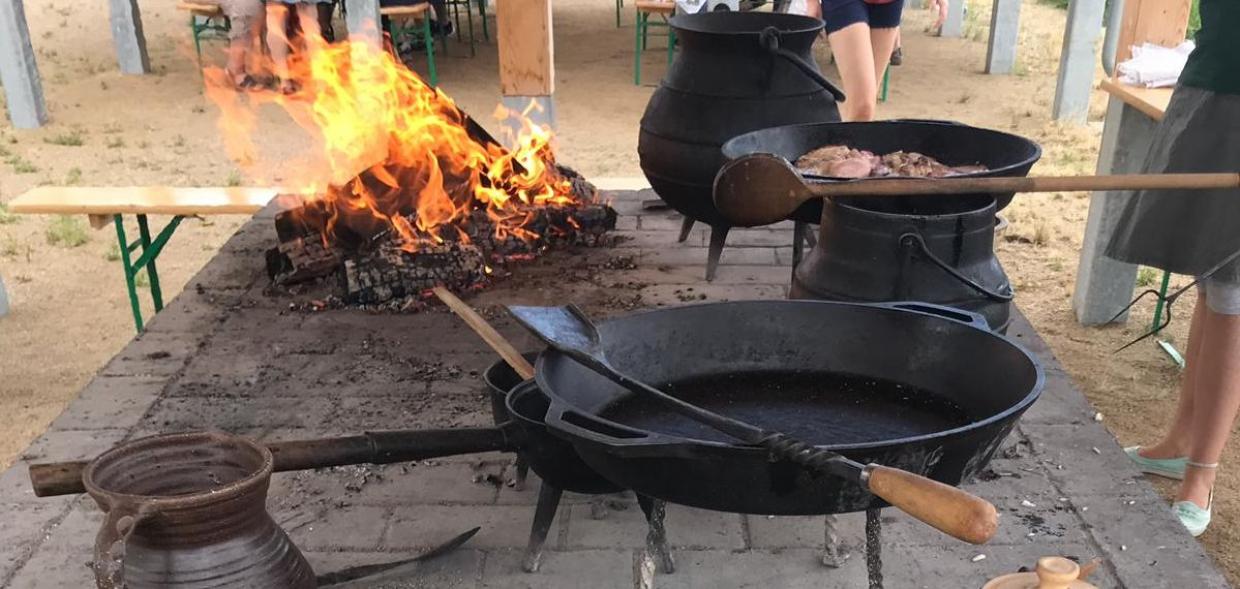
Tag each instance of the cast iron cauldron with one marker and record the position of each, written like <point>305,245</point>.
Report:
<point>958,391</point>
<point>727,79</point>
<point>939,250</point>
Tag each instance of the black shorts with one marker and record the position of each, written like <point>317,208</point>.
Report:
<point>841,13</point>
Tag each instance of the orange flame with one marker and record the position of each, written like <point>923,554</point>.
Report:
<point>390,149</point>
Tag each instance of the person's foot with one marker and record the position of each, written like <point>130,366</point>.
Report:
<point>1195,501</point>
<point>1172,468</point>
<point>289,87</point>
<point>897,56</point>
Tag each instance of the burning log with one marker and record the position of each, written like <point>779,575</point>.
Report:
<point>390,272</point>
<point>376,265</point>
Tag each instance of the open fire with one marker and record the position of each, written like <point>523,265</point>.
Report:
<point>401,189</point>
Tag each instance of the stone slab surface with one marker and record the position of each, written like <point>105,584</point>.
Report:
<point>227,354</point>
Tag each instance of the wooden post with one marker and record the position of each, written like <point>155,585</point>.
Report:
<point>362,20</point>
<point>1078,60</point>
<point>1004,32</point>
<point>1162,22</point>
<point>18,72</point>
<point>1103,285</point>
<point>527,57</point>
<point>953,25</point>
<point>127,35</point>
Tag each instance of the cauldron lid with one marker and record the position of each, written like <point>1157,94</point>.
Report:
<point>745,23</point>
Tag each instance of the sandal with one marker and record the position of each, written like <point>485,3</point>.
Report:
<point>289,87</point>
<point>1172,468</point>
<point>249,84</point>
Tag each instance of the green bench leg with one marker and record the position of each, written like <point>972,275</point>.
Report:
<point>130,274</point>
<point>193,27</point>
<point>430,50</point>
<point>882,95</point>
<point>482,12</point>
<point>619,5</point>
<point>157,295</point>
<point>151,248</point>
<point>639,31</point>
<point>671,45</point>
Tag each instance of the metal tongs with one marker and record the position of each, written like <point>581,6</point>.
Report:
<point>1167,300</point>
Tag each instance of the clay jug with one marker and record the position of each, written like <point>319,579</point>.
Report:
<point>189,510</point>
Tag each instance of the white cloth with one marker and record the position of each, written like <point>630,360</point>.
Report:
<point>1155,66</point>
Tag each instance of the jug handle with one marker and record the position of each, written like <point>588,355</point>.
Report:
<point>769,39</point>
<point>122,519</point>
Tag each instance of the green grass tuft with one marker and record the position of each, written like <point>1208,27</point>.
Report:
<point>7,218</point>
<point>66,231</point>
<point>1147,277</point>
<point>73,138</point>
<point>73,176</point>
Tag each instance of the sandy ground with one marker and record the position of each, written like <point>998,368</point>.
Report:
<point>70,313</point>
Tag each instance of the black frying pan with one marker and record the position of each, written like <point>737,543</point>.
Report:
<point>926,389</point>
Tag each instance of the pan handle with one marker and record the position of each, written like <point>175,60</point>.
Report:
<point>577,427</point>
<point>967,317</point>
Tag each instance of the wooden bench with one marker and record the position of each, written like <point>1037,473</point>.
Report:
<point>645,8</point>
<point>102,205</point>
<point>213,20</point>
<point>419,13</point>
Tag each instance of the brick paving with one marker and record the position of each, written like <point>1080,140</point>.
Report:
<point>226,355</point>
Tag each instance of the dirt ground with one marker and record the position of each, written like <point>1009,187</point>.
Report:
<point>70,313</point>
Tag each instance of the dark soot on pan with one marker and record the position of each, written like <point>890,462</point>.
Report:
<point>819,408</point>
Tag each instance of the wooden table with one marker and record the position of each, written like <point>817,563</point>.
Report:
<point>1151,101</point>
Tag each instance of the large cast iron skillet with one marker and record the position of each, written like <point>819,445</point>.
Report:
<point>952,143</point>
<point>945,353</point>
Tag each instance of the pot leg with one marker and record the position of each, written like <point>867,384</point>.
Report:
<point>873,547</point>
<point>523,471</point>
<point>544,515</point>
<point>686,227</point>
<point>833,555</point>
<point>798,245</point>
<point>656,537</point>
<point>718,235</point>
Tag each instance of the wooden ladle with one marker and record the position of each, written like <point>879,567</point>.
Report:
<point>761,188</point>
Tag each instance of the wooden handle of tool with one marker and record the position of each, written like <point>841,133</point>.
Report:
<point>952,511</point>
<point>58,478</point>
<point>923,186</point>
<point>498,342</point>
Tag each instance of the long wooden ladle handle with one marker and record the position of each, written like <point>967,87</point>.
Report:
<point>950,510</point>
<point>926,186</point>
<point>493,338</point>
<point>761,188</point>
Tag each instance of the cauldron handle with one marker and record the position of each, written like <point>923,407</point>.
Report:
<point>913,239</point>
<point>122,519</point>
<point>769,38</point>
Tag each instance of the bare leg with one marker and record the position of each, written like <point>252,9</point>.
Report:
<point>1216,403</point>
<point>854,56</point>
<point>883,42</point>
<point>277,40</point>
<point>1176,443</point>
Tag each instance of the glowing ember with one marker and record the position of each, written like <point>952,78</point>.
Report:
<point>390,152</point>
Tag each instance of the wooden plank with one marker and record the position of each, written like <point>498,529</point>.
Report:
<point>148,200</point>
<point>1150,101</point>
<point>526,49</point>
<point>1163,22</point>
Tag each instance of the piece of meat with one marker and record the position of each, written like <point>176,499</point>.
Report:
<point>838,161</point>
<point>841,161</point>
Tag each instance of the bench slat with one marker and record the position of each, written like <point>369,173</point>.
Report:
<point>142,200</point>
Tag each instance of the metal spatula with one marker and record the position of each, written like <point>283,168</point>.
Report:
<point>946,508</point>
